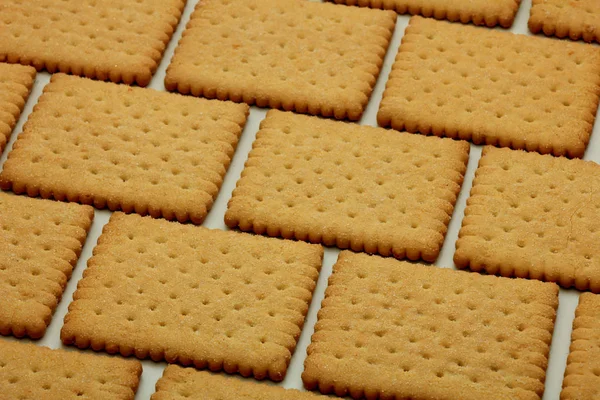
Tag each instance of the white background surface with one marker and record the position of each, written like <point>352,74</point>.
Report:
<point>153,371</point>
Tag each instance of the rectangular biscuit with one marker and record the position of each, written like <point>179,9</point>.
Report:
<point>201,385</point>
<point>28,371</point>
<point>582,376</point>
<point>533,216</point>
<point>108,39</point>
<point>296,55</point>
<point>395,330</point>
<point>479,12</point>
<point>15,85</point>
<point>214,299</point>
<point>493,87</point>
<point>573,19</point>
<point>133,149</point>
<point>358,187</point>
<point>40,242</point>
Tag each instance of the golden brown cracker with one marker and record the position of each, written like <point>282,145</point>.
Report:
<point>347,185</point>
<point>298,55</point>
<point>200,385</point>
<point>579,19</point>
<point>15,85</point>
<point>40,242</point>
<point>133,149</point>
<point>214,299</point>
<point>582,376</point>
<point>102,39</point>
<point>390,329</point>
<point>479,12</point>
<point>493,87</point>
<point>533,216</point>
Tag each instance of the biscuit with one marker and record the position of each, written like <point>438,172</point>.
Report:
<point>533,216</point>
<point>131,149</point>
<point>106,40</point>
<point>493,87</point>
<point>304,56</point>
<point>15,85</point>
<point>479,12</point>
<point>28,371</point>
<point>358,187</point>
<point>189,383</point>
<point>389,329</point>
<point>573,19</point>
<point>40,242</point>
<point>214,299</point>
<point>582,376</point>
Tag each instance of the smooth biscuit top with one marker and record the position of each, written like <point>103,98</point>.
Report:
<point>296,55</point>
<point>582,376</point>
<point>103,39</point>
<point>189,383</point>
<point>479,12</point>
<point>219,300</point>
<point>15,84</point>
<point>28,371</point>
<point>576,20</point>
<point>125,148</point>
<point>40,242</point>
<point>533,216</point>
<point>390,328</point>
<point>493,87</point>
<point>347,185</point>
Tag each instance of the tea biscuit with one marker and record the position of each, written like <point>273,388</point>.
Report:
<point>394,330</point>
<point>28,371</point>
<point>133,149</point>
<point>573,19</point>
<point>192,384</point>
<point>108,39</point>
<point>214,299</point>
<point>15,85</point>
<point>479,12</point>
<point>582,376</point>
<point>296,55</point>
<point>350,186</point>
<point>493,87</point>
<point>533,216</point>
<point>40,242</point>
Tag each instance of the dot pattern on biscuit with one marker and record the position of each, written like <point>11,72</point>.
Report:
<point>479,12</point>
<point>582,376</point>
<point>347,185</point>
<point>28,371</point>
<point>493,87</point>
<point>40,242</point>
<point>576,20</point>
<point>134,149</point>
<point>391,329</point>
<point>305,56</point>
<point>103,39</point>
<point>178,382</point>
<point>533,216</point>
<point>218,300</point>
<point>15,85</point>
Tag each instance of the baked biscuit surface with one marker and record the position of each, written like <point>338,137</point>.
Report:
<point>296,55</point>
<point>40,242</point>
<point>582,376</point>
<point>493,88</point>
<point>15,84</point>
<point>102,39</point>
<point>217,300</point>
<point>533,216</point>
<point>573,19</point>
<point>479,12</point>
<point>351,186</point>
<point>131,149</point>
<point>391,329</point>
